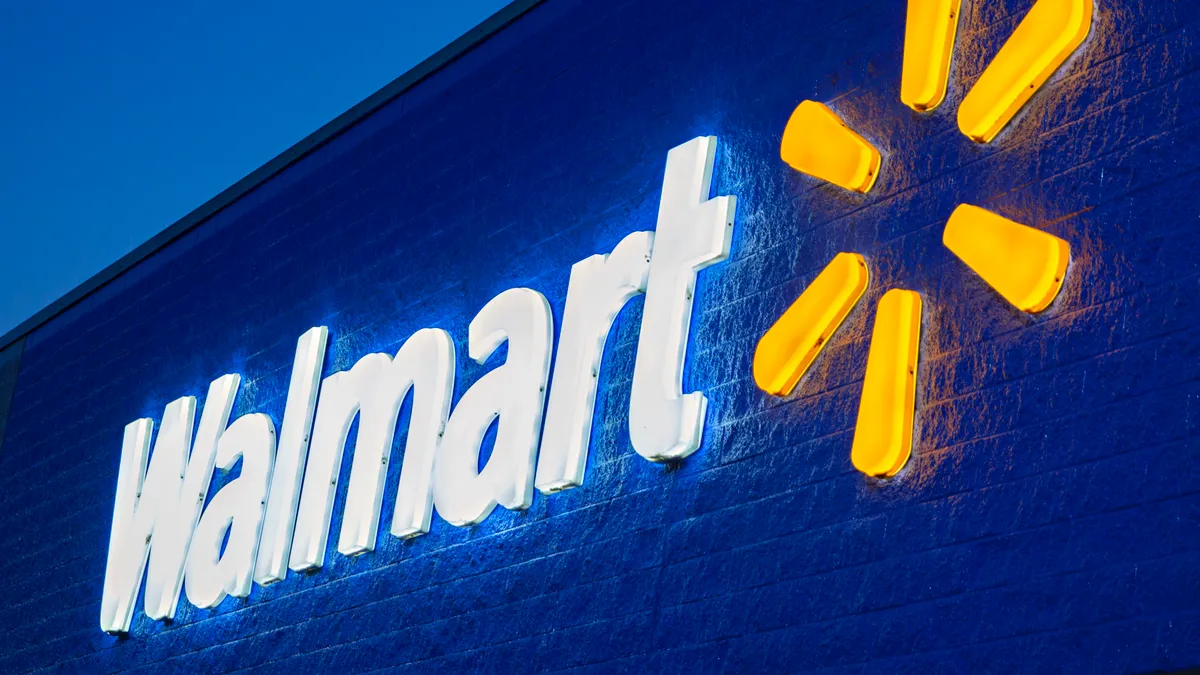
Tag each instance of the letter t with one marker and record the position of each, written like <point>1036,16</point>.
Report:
<point>693,232</point>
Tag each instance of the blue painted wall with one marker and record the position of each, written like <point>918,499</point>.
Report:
<point>1049,521</point>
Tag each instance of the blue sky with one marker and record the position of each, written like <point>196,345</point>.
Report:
<point>122,117</point>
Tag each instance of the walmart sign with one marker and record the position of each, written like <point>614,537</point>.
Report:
<point>276,514</point>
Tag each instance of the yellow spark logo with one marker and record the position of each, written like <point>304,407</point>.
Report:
<point>1024,265</point>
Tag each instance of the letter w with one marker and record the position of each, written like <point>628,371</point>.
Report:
<point>156,510</point>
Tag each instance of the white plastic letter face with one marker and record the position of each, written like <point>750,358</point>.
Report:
<point>142,502</point>
<point>693,232</point>
<point>424,366</point>
<point>237,508</point>
<point>157,509</point>
<point>373,390</point>
<point>600,286</point>
<point>280,518</point>
<point>515,392</point>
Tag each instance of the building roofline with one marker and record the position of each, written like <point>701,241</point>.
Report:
<point>264,173</point>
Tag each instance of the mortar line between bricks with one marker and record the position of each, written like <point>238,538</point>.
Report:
<point>937,451</point>
<point>1064,365</point>
<point>945,355</point>
<point>97,578</point>
<point>884,661</point>
<point>297,625</point>
<point>1114,198</point>
<point>1028,529</point>
<point>1068,465</point>
<point>1045,134</point>
<point>378,635</point>
<point>923,551</point>
<point>882,609</point>
<point>652,612</point>
<point>924,228</point>
<point>17,562</point>
<point>1108,199</point>
<point>456,579</point>
<point>661,568</point>
<point>1159,40</point>
<point>884,198</point>
<point>924,502</point>
<point>463,652</point>
<point>1069,314</point>
<point>40,552</point>
<point>1195,553</point>
<point>805,486</point>
<point>1015,636</point>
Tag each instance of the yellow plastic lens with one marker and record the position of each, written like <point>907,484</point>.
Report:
<point>883,434</point>
<point>1046,37</point>
<point>786,351</point>
<point>928,44</point>
<point>1024,265</point>
<point>819,144</point>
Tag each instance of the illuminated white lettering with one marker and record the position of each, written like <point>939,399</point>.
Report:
<point>600,286</point>
<point>280,519</point>
<point>693,232</point>
<point>373,390</point>
<point>515,392</point>
<point>157,509</point>
<point>236,509</point>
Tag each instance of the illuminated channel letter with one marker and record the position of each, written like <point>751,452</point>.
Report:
<point>163,590</point>
<point>928,44</point>
<point>788,348</point>
<point>883,434</point>
<point>429,356</point>
<point>600,286</point>
<point>157,508</point>
<point>515,392</point>
<point>280,519</point>
<point>236,510</point>
<point>693,232</point>
<point>143,503</point>
<point>373,390</point>
<point>1024,265</point>
<point>1046,37</point>
<point>818,143</point>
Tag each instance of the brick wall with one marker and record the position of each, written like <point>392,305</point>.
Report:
<point>1048,522</point>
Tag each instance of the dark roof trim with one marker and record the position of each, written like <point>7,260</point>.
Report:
<point>429,66</point>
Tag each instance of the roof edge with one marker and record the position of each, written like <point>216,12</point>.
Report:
<point>321,136</point>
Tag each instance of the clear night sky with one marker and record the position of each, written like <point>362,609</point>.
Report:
<point>122,117</point>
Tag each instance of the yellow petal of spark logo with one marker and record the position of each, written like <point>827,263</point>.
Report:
<point>1025,266</point>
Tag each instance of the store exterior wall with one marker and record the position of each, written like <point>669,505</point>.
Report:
<point>10,366</point>
<point>1048,521</point>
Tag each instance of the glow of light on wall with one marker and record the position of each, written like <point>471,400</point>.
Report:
<point>1041,43</point>
<point>883,433</point>
<point>818,143</point>
<point>928,45</point>
<point>1024,265</point>
<point>789,347</point>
